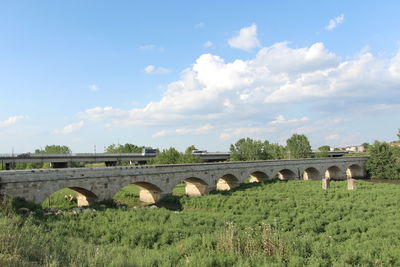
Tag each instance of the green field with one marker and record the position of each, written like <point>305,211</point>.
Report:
<point>294,223</point>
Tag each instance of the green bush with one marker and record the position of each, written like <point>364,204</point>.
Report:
<point>384,161</point>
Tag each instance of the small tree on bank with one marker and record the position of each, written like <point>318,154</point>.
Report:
<point>383,161</point>
<point>298,146</point>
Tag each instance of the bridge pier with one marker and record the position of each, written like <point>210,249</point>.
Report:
<point>351,184</point>
<point>9,166</point>
<point>150,196</point>
<point>196,189</point>
<point>326,183</point>
<point>82,200</point>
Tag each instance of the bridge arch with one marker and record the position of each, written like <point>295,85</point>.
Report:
<point>354,172</point>
<point>334,173</point>
<point>311,173</point>
<point>258,177</point>
<point>195,186</point>
<point>286,174</point>
<point>74,196</point>
<point>227,182</point>
<point>149,193</point>
<point>138,190</point>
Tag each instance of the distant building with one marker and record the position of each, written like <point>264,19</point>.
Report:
<point>394,143</point>
<point>352,149</point>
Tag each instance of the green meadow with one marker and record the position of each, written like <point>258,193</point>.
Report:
<point>277,223</point>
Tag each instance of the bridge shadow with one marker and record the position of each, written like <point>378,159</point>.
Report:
<point>243,187</point>
<point>170,202</point>
<point>173,202</point>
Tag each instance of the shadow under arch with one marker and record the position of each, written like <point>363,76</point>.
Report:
<point>286,174</point>
<point>69,197</point>
<point>333,173</point>
<point>258,177</point>
<point>354,172</point>
<point>227,182</point>
<point>136,192</point>
<point>311,173</point>
<point>195,186</point>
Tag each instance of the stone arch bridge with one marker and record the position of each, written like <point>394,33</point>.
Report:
<point>156,181</point>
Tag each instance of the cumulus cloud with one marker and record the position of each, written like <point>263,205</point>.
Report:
<point>277,79</point>
<point>12,120</point>
<point>333,23</point>
<point>156,70</point>
<point>70,128</point>
<point>246,39</point>
<point>184,131</point>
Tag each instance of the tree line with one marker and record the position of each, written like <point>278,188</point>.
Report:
<point>383,161</point>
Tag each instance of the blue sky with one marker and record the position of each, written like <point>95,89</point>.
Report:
<point>176,73</point>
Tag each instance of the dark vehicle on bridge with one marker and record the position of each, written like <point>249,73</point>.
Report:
<point>199,152</point>
<point>24,155</point>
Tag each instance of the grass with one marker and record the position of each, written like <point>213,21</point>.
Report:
<point>294,223</point>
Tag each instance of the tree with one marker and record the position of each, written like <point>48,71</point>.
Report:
<point>190,149</point>
<point>365,145</point>
<point>127,148</point>
<point>383,161</point>
<point>398,134</point>
<point>173,156</point>
<point>298,146</point>
<point>247,149</point>
<point>54,149</point>
<point>324,148</point>
<point>188,157</point>
<point>323,152</point>
<point>166,156</point>
<point>274,151</point>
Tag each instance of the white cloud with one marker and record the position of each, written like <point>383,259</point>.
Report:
<point>156,70</point>
<point>278,80</point>
<point>12,120</point>
<point>184,131</point>
<point>200,25</point>
<point>93,88</point>
<point>149,69</point>
<point>281,120</point>
<point>70,128</point>
<point>386,107</point>
<point>147,47</point>
<point>208,44</point>
<point>234,133</point>
<point>332,137</point>
<point>246,39</point>
<point>151,47</point>
<point>333,23</point>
